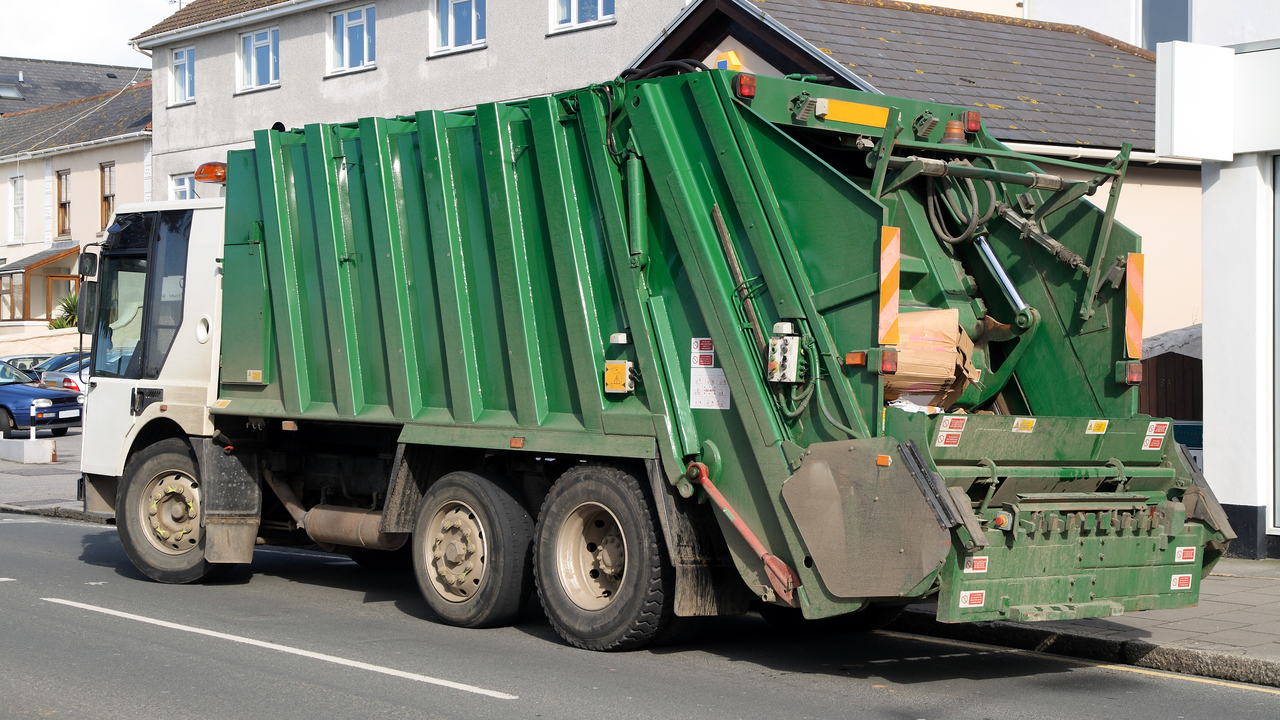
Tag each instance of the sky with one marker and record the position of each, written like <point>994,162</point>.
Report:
<point>92,31</point>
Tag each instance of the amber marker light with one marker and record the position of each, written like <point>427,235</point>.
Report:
<point>212,172</point>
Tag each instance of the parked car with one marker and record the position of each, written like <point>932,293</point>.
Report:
<point>74,377</point>
<point>21,396</point>
<point>26,362</point>
<point>57,362</point>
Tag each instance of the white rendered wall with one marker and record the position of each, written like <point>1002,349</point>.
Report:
<point>1233,22</point>
<point>1121,19</point>
<point>1238,232</point>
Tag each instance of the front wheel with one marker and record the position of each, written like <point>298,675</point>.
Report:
<point>158,515</point>
<point>600,562</point>
<point>8,426</point>
<point>59,432</point>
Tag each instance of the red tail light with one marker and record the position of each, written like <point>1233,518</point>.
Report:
<point>1133,373</point>
<point>888,362</point>
<point>972,121</point>
<point>744,86</point>
<point>69,384</point>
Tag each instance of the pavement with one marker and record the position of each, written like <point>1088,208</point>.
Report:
<point>1233,634</point>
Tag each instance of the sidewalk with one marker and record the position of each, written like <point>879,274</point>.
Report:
<point>1233,634</point>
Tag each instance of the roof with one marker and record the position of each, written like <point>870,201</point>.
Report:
<point>1035,82</point>
<point>37,259</point>
<point>202,11</point>
<point>51,82</point>
<point>95,118</point>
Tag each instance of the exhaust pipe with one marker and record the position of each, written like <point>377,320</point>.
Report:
<point>336,524</point>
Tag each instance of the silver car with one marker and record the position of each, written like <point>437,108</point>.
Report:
<point>74,378</point>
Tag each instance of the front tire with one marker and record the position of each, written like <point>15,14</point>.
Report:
<point>158,515</point>
<point>7,424</point>
<point>471,548</point>
<point>59,432</point>
<point>600,563</point>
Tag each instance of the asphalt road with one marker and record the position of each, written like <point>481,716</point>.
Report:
<point>309,635</point>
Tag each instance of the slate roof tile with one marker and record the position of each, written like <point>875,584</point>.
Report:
<point>51,82</point>
<point>202,11</point>
<point>94,118</point>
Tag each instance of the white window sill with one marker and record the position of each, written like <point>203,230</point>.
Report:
<point>558,30</point>
<point>350,71</point>
<point>263,88</point>
<point>184,103</point>
<point>455,51</point>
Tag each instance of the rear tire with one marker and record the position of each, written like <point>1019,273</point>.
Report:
<point>158,515</point>
<point>59,432</point>
<point>601,563</point>
<point>471,551</point>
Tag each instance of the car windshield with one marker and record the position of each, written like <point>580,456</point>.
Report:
<point>10,375</point>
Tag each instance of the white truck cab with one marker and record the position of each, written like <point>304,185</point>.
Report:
<point>151,302</point>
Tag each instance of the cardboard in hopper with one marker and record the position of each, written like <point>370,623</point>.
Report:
<point>934,358</point>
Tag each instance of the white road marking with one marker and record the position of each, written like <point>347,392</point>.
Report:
<point>14,521</point>
<point>7,580</point>
<point>101,582</point>
<point>292,651</point>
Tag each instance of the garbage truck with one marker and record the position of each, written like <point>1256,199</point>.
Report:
<point>687,343</point>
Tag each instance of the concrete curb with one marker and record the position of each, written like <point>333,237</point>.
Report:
<point>56,511</point>
<point>1139,653</point>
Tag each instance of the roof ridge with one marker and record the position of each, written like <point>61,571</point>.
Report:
<point>119,91</point>
<point>1005,20</point>
<point>73,62</point>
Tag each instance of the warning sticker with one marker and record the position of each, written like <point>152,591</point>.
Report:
<point>703,359</point>
<point>948,439</point>
<point>1096,427</point>
<point>702,345</point>
<point>1157,428</point>
<point>1152,442</point>
<point>953,424</point>
<point>702,353</point>
<point>1184,554</point>
<point>1180,582</point>
<point>708,389</point>
<point>975,564</point>
<point>1024,425</point>
<point>222,403</point>
<point>976,598</point>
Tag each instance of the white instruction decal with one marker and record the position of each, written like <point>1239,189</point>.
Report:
<point>1184,554</point>
<point>975,564</point>
<point>1180,582</point>
<point>708,389</point>
<point>1157,428</point>
<point>973,598</point>
<point>171,288</point>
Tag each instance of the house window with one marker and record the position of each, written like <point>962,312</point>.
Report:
<point>184,75</point>
<point>182,187</point>
<point>1165,21</point>
<point>353,39</point>
<point>108,192</point>
<point>260,59</point>
<point>64,202</point>
<point>12,296</point>
<point>459,24</point>
<point>18,201</point>
<point>567,14</point>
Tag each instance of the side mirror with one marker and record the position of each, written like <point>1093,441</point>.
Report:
<point>87,314</point>
<point>88,264</point>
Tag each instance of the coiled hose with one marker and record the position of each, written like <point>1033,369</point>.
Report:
<point>946,196</point>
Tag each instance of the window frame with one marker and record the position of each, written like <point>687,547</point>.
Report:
<point>439,47</point>
<point>64,202</point>
<point>553,16</point>
<point>107,171</point>
<point>337,65</point>
<point>248,62</point>
<point>188,72</point>
<point>17,211</point>
<point>186,181</point>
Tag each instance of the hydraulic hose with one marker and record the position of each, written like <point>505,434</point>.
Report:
<point>936,198</point>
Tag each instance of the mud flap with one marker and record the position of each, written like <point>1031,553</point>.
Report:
<point>232,502</point>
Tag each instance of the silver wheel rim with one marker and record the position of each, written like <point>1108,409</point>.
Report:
<point>457,549</point>
<point>591,556</point>
<point>170,513</point>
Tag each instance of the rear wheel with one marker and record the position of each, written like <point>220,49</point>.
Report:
<point>158,515</point>
<point>59,432</point>
<point>471,548</point>
<point>600,563</point>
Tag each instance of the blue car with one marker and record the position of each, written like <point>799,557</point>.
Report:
<point>20,394</point>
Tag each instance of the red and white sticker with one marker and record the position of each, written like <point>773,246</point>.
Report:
<point>978,564</point>
<point>976,598</point>
<point>948,439</point>
<point>1157,428</point>
<point>1096,427</point>
<point>1179,582</point>
<point>952,424</point>
<point>1153,442</point>
<point>1184,554</point>
<point>704,359</point>
<point>702,345</point>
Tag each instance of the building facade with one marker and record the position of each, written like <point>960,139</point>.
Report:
<point>219,76</point>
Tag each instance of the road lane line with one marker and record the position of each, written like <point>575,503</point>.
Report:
<point>7,580</point>
<point>1078,661</point>
<point>292,651</point>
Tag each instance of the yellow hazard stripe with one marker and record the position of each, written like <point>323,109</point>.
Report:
<point>890,268</point>
<point>857,113</point>
<point>1133,307</point>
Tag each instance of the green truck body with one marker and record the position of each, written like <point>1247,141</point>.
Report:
<point>466,280</point>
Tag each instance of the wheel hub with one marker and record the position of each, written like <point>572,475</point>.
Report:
<point>457,552</point>
<point>171,513</point>
<point>592,556</point>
